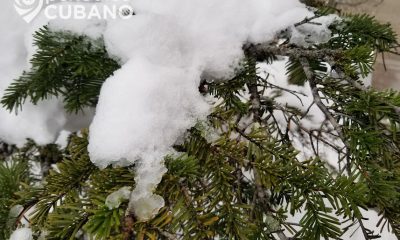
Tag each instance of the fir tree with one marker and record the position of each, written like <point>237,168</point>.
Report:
<point>247,180</point>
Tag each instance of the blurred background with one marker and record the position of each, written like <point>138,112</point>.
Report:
<point>385,11</point>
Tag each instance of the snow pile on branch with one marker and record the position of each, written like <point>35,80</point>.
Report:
<point>165,49</point>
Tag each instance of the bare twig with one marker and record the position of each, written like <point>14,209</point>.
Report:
<point>318,101</point>
<point>127,228</point>
<point>308,20</point>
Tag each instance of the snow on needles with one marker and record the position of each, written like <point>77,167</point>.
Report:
<point>165,48</point>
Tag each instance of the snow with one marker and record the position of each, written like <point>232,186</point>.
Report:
<point>216,30</point>
<point>158,112</point>
<point>91,28</point>
<point>371,222</point>
<point>14,212</point>
<point>22,234</point>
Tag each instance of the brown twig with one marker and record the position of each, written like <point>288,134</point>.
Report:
<point>318,101</point>
<point>127,228</point>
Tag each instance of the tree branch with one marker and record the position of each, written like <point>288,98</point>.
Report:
<point>318,101</point>
<point>263,51</point>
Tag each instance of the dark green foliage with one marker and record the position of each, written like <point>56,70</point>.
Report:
<point>73,196</point>
<point>231,90</point>
<point>67,221</point>
<point>358,60</point>
<point>12,174</point>
<point>65,183</point>
<point>363,30</point>
<point>104,221</point>
<point>296,73</point>
<point>66,65</point>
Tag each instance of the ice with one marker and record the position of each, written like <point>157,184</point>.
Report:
<point>143,202</point>
<point>115,199</point>
<point>62,139</point>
